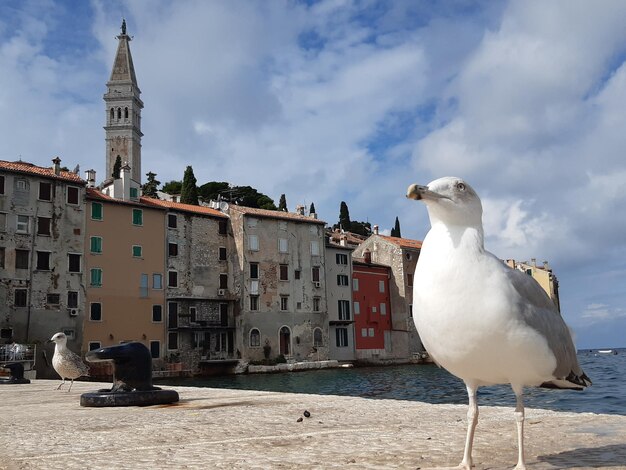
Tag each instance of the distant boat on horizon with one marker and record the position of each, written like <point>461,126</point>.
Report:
<point>606,351</point>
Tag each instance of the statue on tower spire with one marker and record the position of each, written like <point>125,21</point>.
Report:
<point>123,25</point>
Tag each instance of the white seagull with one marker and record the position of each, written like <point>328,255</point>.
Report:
<point>481,320</point>
<point>67,364</point>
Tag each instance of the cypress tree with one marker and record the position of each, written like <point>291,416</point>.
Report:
<point>312,209</point>
<point>344,217</point>
<point>189,191</point>
<point>395,232</point>
<point>282,203</point>
<point>117,168</point>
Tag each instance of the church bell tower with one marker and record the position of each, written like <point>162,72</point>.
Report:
<point>123,112</point>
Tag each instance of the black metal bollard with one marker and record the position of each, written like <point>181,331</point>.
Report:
<point>17,373</point>
<point>132,378</point>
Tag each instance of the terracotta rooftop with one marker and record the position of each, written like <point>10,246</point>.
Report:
<point>31,169</point>
<point>403,242</point>
<point>179,206</point>
<point>352,239</point>
<point>94,193</point>
<point>275,214</point>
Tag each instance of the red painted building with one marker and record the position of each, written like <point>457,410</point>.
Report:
<point>372,309</point>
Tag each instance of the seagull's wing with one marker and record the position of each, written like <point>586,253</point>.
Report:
<point>536,309</point>
<point>77,361</point>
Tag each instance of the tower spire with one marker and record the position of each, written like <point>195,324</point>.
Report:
<point>123,111</point>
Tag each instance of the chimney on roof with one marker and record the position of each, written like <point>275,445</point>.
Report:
<point>367,256</point>
<point>546,266</point>
<point>57,165</point>
<point>533,262</point>
<point>300,210</point>
<point>90,176</point>
<point>375,229</point>
<point>343,239</point>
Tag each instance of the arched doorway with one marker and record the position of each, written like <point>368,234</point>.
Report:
<point>284,340</point>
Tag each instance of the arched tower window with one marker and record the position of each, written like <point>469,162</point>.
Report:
<point>125,113</point>
<point>119,113</point>
<point>112,114</point>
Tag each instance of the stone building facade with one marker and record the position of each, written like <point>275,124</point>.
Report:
<point>199,285</point>
<point>280,282</point>
<point>339,300</point>
<point>42,229</point>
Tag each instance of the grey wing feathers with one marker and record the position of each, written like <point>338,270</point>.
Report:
<point>539,312</point>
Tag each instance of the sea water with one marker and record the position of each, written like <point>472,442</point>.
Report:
<point>429,383</point>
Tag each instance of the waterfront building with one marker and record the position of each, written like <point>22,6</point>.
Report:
<point>542,274</point>
<point>400,255</point>
<point>281,285</point>
<point>124,271</point>
<point>372,312</point>
<point>41,255</point>
<point>200,297</point>
<point>339,299</point>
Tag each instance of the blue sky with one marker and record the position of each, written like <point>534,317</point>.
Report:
<point>352,101</point>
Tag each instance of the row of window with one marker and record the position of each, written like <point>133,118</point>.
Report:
<point>46,190</point>
<point>23,224</point>
<point>283,245</point>
<point>255,337</point>
<point>42,260</point>
<point>382,306</point>
<point>283,272</point>
<point>20,298</point>
<point>97,213</point>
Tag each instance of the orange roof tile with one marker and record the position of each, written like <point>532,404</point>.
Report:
<point>31,169</point>
<point>403,242</point>
<point>275,214</point>
<point>179,206</point>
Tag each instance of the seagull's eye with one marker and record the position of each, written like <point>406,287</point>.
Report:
<point>460,186</point>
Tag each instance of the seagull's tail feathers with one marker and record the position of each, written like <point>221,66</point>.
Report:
<point>572,382</point>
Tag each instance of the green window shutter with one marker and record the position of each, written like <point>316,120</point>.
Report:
<point>96,211</point>
<point>96,277</point>
<point>137,217</point>
<point>96,245</point>
<point>137,251</point>
<point>133,192</point>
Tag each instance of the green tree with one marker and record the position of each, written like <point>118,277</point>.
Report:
<point>150,187</point>
<point>312,209</point>
<point>395,232</point>
<point>117,168</point>
<point>172,187</point>
<point>344,217</point>
<point>189,190</point>
<point>213,190</point>
<point>282,203</point>
<point>361,228</point>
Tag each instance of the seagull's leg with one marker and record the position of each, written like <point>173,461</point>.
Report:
<point>61,384</point>
<point>71,383</point>
<point>472,420</point>
<point>519,418</point>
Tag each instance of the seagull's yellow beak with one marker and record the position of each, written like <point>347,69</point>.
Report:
<point>418,192</point>
<point>414,192</point>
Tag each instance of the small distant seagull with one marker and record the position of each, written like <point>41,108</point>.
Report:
<point>481,320</point>
<point>67,364</point>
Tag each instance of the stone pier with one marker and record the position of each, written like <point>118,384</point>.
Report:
<point>44,428</point>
